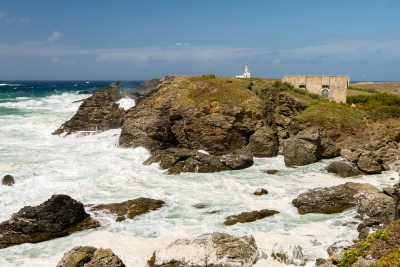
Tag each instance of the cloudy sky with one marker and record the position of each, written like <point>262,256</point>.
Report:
<point>138,40</point>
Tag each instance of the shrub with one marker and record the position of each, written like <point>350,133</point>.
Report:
<point>209,76</point>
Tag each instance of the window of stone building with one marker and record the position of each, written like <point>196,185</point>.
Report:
<point>302,86</point>
<point>325,93</point>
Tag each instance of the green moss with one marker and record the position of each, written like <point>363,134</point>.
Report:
<point>391,260</point>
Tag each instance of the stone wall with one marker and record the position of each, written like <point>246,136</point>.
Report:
<point>331,87</point>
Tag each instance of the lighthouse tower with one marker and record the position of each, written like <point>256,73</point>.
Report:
<point>246,72</point>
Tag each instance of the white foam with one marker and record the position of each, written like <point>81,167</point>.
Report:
<point>126,103</point>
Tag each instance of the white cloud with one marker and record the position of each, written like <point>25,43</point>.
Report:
<point>20,21</point>
<point>56,36</point>
<point>55,59</point>
<point>178,43</point>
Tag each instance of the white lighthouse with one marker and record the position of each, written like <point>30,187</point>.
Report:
<point>246,73</point>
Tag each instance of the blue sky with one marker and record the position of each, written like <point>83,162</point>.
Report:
<point>138,40</point>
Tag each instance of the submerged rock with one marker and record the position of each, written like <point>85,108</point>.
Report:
<point>8,180</point>
<point>260,191</point>
<point>130,208</point>
<point>249,216</point>
<point>56,217</point>
<point>217,250</point>
<point>90,257</point>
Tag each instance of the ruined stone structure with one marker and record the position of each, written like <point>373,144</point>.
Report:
<point>331,87</point>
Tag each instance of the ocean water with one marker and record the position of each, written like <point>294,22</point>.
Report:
<point>94,170</point>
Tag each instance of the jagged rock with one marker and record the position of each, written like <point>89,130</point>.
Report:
<point>8,180</point>
<point>308,147</point>
<point>373,205</point>
<point>130,208</point>
<point>389,191</point>
<point>56,217</point>
<point>288,254</point>
<point>264,143</point>
<point>217,250</point>
<point>368,164</point>
<point>90,257</point>
<point>99,112</point>
<point>178,160</point>
<point>249,216</point>
<point>344,168</point>
<point>261,191</point>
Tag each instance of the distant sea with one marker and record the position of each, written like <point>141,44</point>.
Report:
<point>94,170</point>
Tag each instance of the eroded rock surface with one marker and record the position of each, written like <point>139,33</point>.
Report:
<point>97,113</point>
<point>249,216</point>
<point>217,250</point>
<point>90,257</point>
<point>288,254</point>
<point>56,217</point>
<point>130,208</point>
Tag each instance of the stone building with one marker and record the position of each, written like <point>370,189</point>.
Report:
<point>331,87</point>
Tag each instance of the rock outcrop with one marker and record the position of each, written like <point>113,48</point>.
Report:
<point>97,113</point>
<point>90,257</point>
<point>374,207</point>
<point>130,208</point>
<point>249,216</point>
<point>56,217</point>
<point>8,180</point>
<point>217,250</point>
<point>188,114</point>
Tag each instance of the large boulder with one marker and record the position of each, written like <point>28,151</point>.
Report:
<point>264,143</point>
<point>217,250</point>
<point>56,217</point>
<point>373,205</point>
<point>130,208</point>
<point>344,168</point>
<point>98,113</point>
<point>308,147</point>
<point>90,257</point>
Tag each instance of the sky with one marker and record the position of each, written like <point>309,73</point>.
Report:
<point>140,40</point>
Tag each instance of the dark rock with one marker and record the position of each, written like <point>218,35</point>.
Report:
<point>200,206</point>
<point>271,171</point>
<point>320,261</point>
<point>8,180</point>
<point>368,164</point>
<point>85,92</point>
<point>308,147</point>
<point>249,216</point>
<point>98,113</point>
<point>264,143</point>
<point>130,208</point>
<point>178,160</point>
<point>90,257</point>
<point>49,220</point>
<point>148,88</point>
<point>344,168</point>
<point>336,250</point>
<point>373,205</point>
<point>217,250</point>
<point>260,191</point>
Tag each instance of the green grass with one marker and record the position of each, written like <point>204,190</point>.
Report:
<point>363,90</point>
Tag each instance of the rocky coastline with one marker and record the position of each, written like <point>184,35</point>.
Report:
<point>199,125</point>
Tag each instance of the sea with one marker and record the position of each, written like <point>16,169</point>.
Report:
<point>93,169</point>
